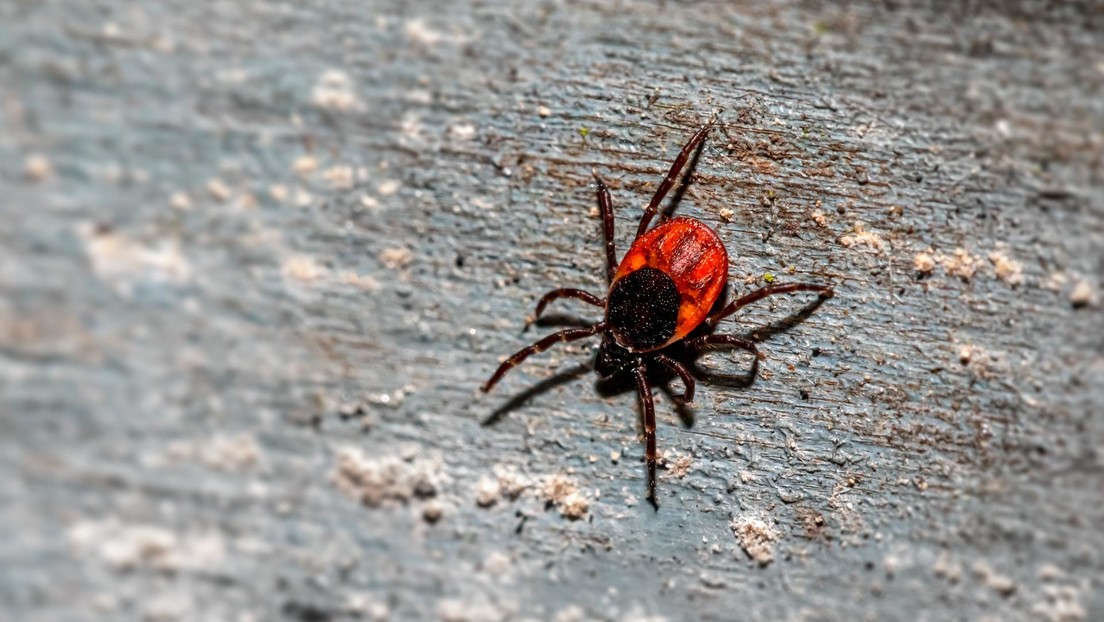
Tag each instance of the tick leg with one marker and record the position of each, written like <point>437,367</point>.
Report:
<point>645,390</point>
<point>678,368</point>
<point>770,290</point>
<point>605,206</point>
<point>566,292</point>
<point>672,175</point>
<point>571,334</point>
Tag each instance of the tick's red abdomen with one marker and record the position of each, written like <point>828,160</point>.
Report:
<point>693,256</point>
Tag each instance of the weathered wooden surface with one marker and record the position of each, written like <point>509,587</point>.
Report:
<point>244,241</point>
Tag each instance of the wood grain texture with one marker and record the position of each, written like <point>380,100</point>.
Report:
<point>258,257</point>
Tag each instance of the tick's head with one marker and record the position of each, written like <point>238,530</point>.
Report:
<point>643,309</point>
<point>612,358</point>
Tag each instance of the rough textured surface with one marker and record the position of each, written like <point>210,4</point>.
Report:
<point>257,257</point>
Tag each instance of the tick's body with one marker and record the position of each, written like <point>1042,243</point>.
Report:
<point>693,260</point>
<point>662,290</point>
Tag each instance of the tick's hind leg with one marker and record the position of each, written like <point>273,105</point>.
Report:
<point>571,334</point>
<point>645,390</point>
<point>566,292</point>
<point>770,290</point>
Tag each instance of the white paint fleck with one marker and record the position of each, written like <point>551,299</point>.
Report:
<point>1006,268</point>
<point>396,258</point>
<point>278,192</point>
<point>388,187</point>
<point>464,131</point>
<point>334,91</point>
<point>305,165</point>
<point>860,236</point>
<point>923,262</point>
<point>756,538</point>
<point>303,198</point>
<point>218,189</point>
<point>340,177</point>
<point>368,201</point>
<point>487,491</point>
<point>37,167</point>
<point>417,31</point>
<point>1083,294</point>
<point>180,201</point>
<point>125,262</point>
<point>131,546</point>
<point>302,268</point>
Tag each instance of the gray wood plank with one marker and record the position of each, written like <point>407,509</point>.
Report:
<point>258,257</point>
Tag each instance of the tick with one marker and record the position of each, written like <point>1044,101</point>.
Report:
<point>661,293</point>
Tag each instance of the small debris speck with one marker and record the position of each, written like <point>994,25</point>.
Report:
<point>544,111</point>
<point>419,32</point>
<point>340,177</point>
<point>571,613</point>
<point>305,165</point>
<point>962,264</point>
<point>37,167</point>
<point>302,268</point>
<point>278,192</point>
<point>366,608</point>
<point>1060,603</point>
<point>432,511</point>
<point>1007,269</point>
<point>727,213</point>
<point>130,546</point>
<point>1003,585</point>
<point>368,201</point>
<point>924,262</point>
<point>1083,294</point>
<point>965,353</point>
<point>180,201</point>
<point>396,258</point>
<point>334,91</point>
<point>756,538</point>
<point>948,568</point>
<point>563,492</point>
<point>218,189</point>
<point>1055,281</point>
<point>464,131</point>
<point>388,187</point>
<point>511,482</point>
<point>487,492</point>
<point>861,237</point>
<point>681,466</point>
<point>891,564</point>
<point>362,281</point>
<point>303,198</point>
<point>232,453</point>
<point>1049,572</point>
<point>574,506</point>
<point>385,480</point>
<point>497,563</point>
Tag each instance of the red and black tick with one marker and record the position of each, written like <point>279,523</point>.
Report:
<point>660,293</point>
